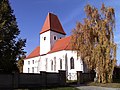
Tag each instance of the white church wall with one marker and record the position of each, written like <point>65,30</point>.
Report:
<point>46,62</point>
<point>65,55</point>
<point>78,65</point>
<point>31,65</point>
<point>45,42</point>
<point>42,63</point>
<point>55,57</point>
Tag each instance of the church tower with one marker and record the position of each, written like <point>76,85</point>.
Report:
<point>51,31</point>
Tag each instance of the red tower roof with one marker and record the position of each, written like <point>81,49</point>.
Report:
<point>52,23</point>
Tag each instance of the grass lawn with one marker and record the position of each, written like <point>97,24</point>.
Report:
<point>112,85</point>
<point>57,88</point>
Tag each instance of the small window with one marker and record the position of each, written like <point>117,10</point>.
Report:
<point>55,38</point>
<point>72,63</point>
<point>28,62</point>
<point>51,65</point>
<point>32,69</point>
<point>60,63</point>
<point>28,70</point>
<point>46,64</point>
<point>60,37</point>
<point>33,61</point>
<point>44,38</point>
<point>54,63</point>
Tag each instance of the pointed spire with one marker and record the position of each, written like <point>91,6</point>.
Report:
<point>52,23</point>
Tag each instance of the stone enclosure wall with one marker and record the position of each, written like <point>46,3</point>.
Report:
<point>84,77</point>
<point>27,80</point>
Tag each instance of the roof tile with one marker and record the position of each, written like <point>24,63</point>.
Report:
<point>62,44</point>
<point>34,53</point>
<point>52,23</point>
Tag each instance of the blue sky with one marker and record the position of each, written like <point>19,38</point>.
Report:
<point>31,14</point>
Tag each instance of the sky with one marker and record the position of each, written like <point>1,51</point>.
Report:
<point>31,15</point>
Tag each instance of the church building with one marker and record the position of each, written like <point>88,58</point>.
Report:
<point>54,52</point>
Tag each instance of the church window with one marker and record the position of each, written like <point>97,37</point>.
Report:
<point>33,61</point>
<point>32,69</point>
<point>28,70</point>
<point>60,63</point>
<point>55,37</point>
<point>54,63</point>
<point>28,62</point>
<point>72,63</point>
<point>46,64</point>
<point>44,38</point>
<point>51,65</point>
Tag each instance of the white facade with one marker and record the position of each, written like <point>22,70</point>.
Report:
<point>51,63</point>
<point>31,65</point>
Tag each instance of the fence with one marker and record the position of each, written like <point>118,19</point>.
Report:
<point>27,80</point>
<point>84,77</point>
<point>116,75</point>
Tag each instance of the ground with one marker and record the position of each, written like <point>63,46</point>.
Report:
<point>88,86</point>
<point>96,88</point>
<point>57,88</point>
<point>109,85</point>
<point>99,86</point>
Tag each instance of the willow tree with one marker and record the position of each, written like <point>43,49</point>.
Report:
<point>94,41</point>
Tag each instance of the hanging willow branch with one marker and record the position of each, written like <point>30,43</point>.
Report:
<point>94,41</point>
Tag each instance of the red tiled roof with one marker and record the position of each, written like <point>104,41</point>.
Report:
<point>62,44</point>
<point>52,23</point>
<point>34,53</point>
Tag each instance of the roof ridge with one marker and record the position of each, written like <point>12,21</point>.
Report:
<point>50,19</point>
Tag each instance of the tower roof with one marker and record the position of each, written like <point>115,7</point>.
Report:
<point>52,23</point>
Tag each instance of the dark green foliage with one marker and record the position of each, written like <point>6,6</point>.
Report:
<point>11,47</point>
<point>20,63</point>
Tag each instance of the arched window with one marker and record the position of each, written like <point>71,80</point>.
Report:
<point>28,70</point>
<point>46,65</point>
<point>54,63</point>
<point>51,65</point>
<point>32,69</point>
<point>54,37</point>
<point>71,63</point>
<point>44,38</point>
<point>60,63</point>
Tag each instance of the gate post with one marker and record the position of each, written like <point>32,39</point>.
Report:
<point>79,77</point>
<point>62,77</point>
<point>44,78</point>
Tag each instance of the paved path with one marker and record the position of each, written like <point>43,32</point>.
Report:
<point>95,88</point>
